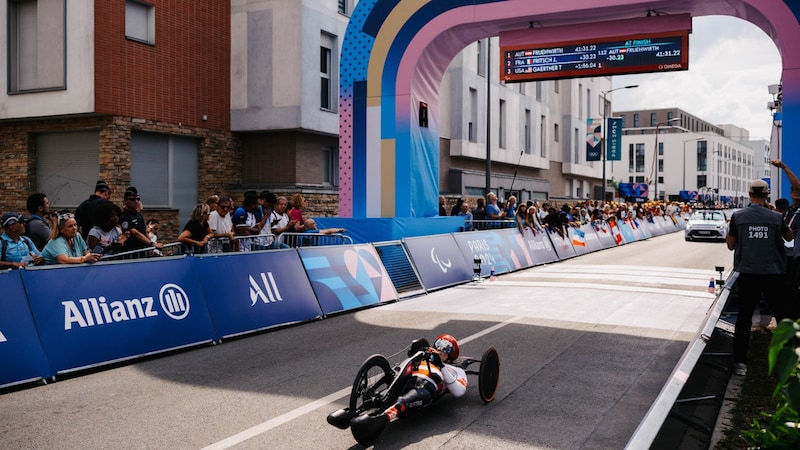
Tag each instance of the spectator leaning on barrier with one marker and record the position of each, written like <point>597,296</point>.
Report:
<point>66,245</point>
<point>197,232</point>
<point>756,237</point>
<point>39,227</point>
<point>132,221</point>
<point>18,250</point>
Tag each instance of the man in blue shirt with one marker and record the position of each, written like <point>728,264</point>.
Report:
<point>17,249</point>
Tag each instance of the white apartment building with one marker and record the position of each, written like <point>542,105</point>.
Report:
<point>677,154</point>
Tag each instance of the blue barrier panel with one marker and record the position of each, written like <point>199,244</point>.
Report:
<point>578,238</point>
<point>627,232</point>
<point>639,227</point>
<point>652,227</point>
<point>90,315</point>
<point>563,245</point>
<point>504,249</point>
<point>247,292</point>
<point>540,247</point>
<point>593,243</point>
<point>21,353</point>
<point>438,260</point>
<point>347,277</point>
<point>668,224</point>
<point>604,234</point>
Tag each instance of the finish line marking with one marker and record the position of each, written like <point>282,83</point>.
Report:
<point>263,427</point>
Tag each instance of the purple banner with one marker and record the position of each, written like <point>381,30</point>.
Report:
<point>438,260</point>
<point>345,278</point>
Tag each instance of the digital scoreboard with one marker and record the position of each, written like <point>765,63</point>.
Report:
<point>639,53</point>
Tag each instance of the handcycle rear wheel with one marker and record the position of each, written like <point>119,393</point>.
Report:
<point>371,383</point>
<point>489,374</point>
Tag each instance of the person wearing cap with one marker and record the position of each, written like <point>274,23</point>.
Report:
<point>84,214</point>
<point>18,250</point>
<point>66,245</point>
<point>131,220</point>
<point>756,235</point>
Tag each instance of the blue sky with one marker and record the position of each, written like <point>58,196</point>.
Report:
<point>731,63</point>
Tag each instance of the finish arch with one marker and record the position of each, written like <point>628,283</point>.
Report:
<point>395,53</point>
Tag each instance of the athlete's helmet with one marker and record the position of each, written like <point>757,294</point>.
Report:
<point>447,344</point>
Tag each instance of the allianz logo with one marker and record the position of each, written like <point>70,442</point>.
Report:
<point>94,311</point>
<point>264,288</point>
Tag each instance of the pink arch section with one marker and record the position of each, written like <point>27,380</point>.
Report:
<point>418,73</point>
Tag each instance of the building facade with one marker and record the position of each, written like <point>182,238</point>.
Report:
<point>682,157</point>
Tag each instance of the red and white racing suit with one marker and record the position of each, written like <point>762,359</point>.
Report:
<point>429,380</point>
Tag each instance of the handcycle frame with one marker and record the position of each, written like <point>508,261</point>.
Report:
<point>378,385</point>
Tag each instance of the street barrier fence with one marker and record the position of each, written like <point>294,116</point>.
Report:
<point>57,319</point>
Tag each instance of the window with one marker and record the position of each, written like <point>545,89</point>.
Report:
<point>330,166</point>
<point>660,167</point>
<point>580,101</point>
<point>660,149</point>
<point>588,102</point>
<point>164,169</point>
<point>577,146</point>
<point>702,155</point>
<point>640,158</point>
<point>67,165</point>
<point>652,119</point>
<point>543,137</point>
<point>36,46</point>
<point>636,120</point>
<point>631,157</point>
<point>140,22</point>
<point>346,7</point>
<point>326,72</point>
<point>481,59</point>
<point>701,181</point>
<point>501,136</point>
<point>526,132</point>
<point>555,86</point>
<point>538,91</point>
<point>670,115</point>
<point>472,131</point>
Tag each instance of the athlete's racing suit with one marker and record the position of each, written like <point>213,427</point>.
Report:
<point>432,377</point>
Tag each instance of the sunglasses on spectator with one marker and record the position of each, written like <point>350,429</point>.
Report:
<point>66,216</point>
<point>224,206</point>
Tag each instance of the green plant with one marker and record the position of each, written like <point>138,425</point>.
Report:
<point>780,430</point>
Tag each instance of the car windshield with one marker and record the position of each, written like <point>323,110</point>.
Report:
<point>709,215</point>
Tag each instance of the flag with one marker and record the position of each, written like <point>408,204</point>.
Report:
<point>578,237</point>
<point>617,234</point>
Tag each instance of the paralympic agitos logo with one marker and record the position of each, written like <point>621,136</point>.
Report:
<point>94,311</point>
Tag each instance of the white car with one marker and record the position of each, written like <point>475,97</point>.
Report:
<point>706,224</point>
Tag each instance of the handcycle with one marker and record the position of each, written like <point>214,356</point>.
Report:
<point>378,385</point>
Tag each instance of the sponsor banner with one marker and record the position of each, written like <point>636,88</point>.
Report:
<point>438,260</point>
<point>505,250</point>
<point>563,245</point>
<point>594,137</point>
<point>21,353</point>
<point>578,238</point>
<point>251,291</point>
<point>652,227</point>
<point>604,234</point>
<point>347,277</point>
<point>540,246</point>
<point>108,312</point>
<point>591,238</point>
<point>626,230</point>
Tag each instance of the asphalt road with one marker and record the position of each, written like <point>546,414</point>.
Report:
<point>585,347</point>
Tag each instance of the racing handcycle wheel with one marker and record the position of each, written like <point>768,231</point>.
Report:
<point>488,374</point>
<point>370,386</point>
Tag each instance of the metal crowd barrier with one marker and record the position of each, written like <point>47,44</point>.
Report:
<point>171,249</point>
<point>255,242</point>
<point>313,239</point>
<point>472,225</point>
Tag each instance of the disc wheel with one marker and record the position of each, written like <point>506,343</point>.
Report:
<point>489,374</point>
<point>370,386</point>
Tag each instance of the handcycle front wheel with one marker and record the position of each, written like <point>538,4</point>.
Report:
<point>489,374</point>
<point>371,383</point>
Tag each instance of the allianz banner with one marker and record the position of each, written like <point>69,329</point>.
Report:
<point>347,277</point>
<point>107,312</point>
<point>563,245</point>
<point>505,250</point>
<point>438,260</point>
<point>21,356</point>
<point>247,292</point>
<point>540,246</point>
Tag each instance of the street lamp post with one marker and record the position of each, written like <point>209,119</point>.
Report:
<point>655,153</point>
<point>603,147</point>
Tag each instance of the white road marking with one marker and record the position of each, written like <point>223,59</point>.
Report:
<point>328,399</point>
